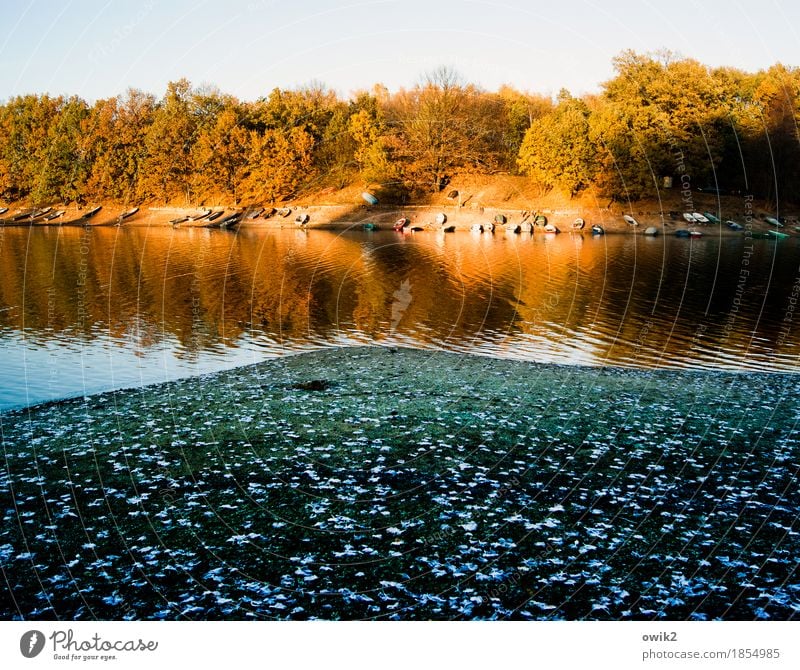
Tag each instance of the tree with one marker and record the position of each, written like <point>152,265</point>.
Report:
<point>25,125</point>
<point>114,138</point>
<point>437,134</point>
<point>222,155</point>
<point>557,150</point>
<point>281,161</point>
<point>167,169</point>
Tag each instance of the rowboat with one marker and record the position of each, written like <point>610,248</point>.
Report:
<point>40,212</point>
<point>202,216</point>
<point>449,229</point>
<point>598,230</point>
<point>92,212</point>
<point>126,215</point>
<point>52,216</point>
<point>476,228</point>
<point>255,213</point>
<point>512,227</point>
<point>302,219</point>
<point>526,227</point>
<point>777,235</point>
<point>651,231</point>
<point>695,233</point>
<point>681,233</point>
<point>630,220</point>
<point>550,228</point>
<point>700,218</point>
<point>734,226</point>
<point>284,212</point>
<point>369,198</point>
<point>369,226</point>
<point>441,217</point>
<point>540,221</point>
<point>501,219</point>
<point>3,210</point>
<point>711,217</point>
<point>230,219</point>
<point>268,212</point>
<point>772,221</point>
<point>215,215</point>
<point>578,224</point>
<point>689,217</point>
<point>401,223</point>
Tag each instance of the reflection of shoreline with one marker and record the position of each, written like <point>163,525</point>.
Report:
<point>546,298</point>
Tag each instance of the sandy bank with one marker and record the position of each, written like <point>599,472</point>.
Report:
<point>461,217</point>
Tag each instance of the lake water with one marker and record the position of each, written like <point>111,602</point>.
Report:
<point>83,311</point>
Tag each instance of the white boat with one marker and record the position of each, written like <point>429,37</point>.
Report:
<point>700,218</point>
<point>550,228</point>
<point>630,220</point>
<point>689,217</point>
<point>476,228</point>
<point>441,217</point>
<point>651,231</point>
<point>511,227</point>
<point>578,224</point>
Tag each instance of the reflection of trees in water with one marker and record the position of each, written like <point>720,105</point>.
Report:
<point>620,298</point>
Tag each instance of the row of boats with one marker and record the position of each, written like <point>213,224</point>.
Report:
<point>528,224</point>
<point>48,216</point>
<point>211,218</point>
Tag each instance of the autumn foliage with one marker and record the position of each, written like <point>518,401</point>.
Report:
<point>660,117</point>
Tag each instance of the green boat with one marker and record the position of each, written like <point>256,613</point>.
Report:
<point>369,226</point>
<point>711,217</point>
<point>776,234</point>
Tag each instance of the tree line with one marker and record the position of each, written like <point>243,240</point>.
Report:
<point>720,129</point>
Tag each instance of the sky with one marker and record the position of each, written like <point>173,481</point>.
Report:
<point>100,48</point>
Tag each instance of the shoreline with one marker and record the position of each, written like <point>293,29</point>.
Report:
<point>386,483</point>
<point>344,217</point>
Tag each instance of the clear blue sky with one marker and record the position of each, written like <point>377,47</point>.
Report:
<point>98,48</point>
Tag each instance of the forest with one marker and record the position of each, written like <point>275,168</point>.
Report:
<point>660,117</point>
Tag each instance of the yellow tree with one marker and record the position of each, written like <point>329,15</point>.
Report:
<point>114,136</point>
<point>281,161</point>
<point>167,169</point>
<point>222,155</point>
<point>557,150</point>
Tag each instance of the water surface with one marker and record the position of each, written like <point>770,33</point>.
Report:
<point>83,311</point>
